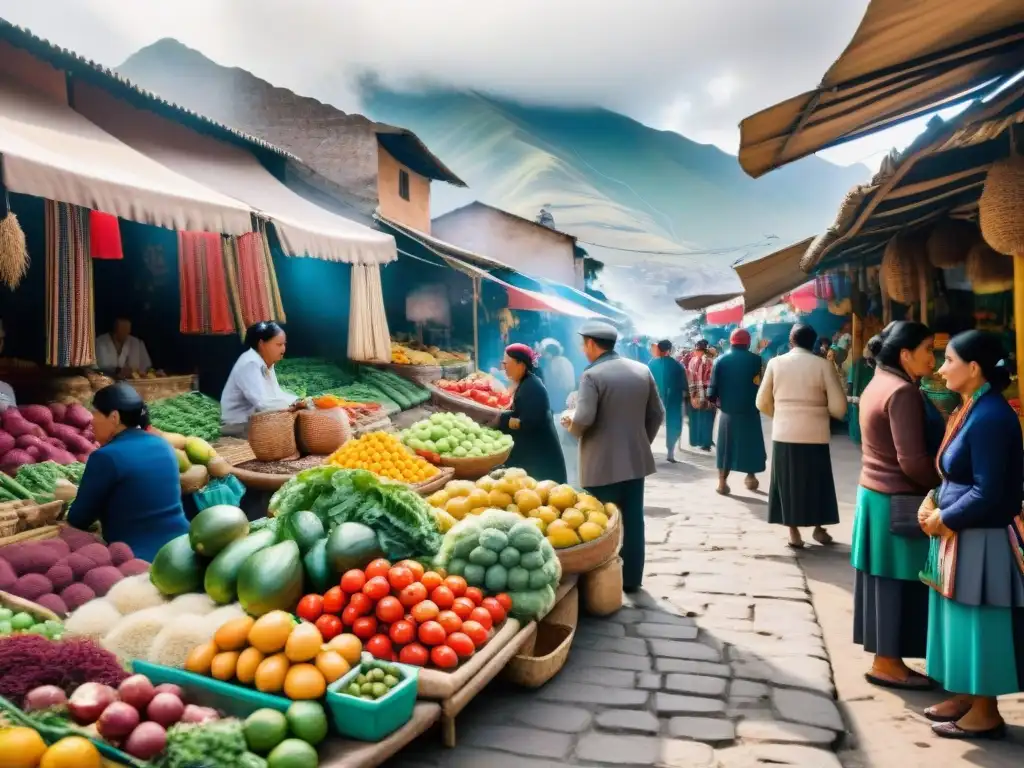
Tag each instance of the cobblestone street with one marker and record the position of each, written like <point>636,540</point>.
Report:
<point>718,662</point>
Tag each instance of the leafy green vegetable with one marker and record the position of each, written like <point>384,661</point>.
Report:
<point>40,480</point>
<point>220,742</point>
<point>192,414</point>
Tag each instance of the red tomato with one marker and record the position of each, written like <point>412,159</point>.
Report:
<point>494,608</point>
<point>461,643</point>
<point>444,657</point>
<point>352,581</point>
<point>389,610</point>
<point>414,593</point>
<point>402,633</point>
<point>349,616</point>
<point>377,588</point>
<point>475,631</point>
<point>329,626</point>
<point>364,627</point>
<point>416,568</point>
<point>378,567</point>
<point>431,633</point>
<point>414,654</point>
<point>379,646</point>
<point>443,597</point>
<point>457,585</point>
<point>334,600</point>
<point>431,580</point>
<point>425,611</point>
<point>475,594</point>
<point>463,606</point>
<point>504,601</point>
<point>361,602</point>
<point>310,607</point>
<point>450,621</point>
<point>483,616</point>
<point>400,578</point>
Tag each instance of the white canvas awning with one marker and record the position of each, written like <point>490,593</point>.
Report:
<point>304,228</point>
<point>53,152</point>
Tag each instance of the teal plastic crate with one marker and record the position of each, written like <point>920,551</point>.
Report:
<point>372,720</point>
<point>230,698</point>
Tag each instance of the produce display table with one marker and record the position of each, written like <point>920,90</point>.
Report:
<point>342,753</point>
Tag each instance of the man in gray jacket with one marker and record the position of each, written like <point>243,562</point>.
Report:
<point>618,415</point>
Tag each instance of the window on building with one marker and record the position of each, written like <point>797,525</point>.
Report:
<point>403,184</point>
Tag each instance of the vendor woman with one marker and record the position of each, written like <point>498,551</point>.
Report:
<point>131,485</point>
<point>252,385</point>
<point>529,421</point>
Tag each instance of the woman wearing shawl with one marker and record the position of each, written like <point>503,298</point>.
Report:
<point>734,382</point>
<point>976,606</point>
<point>702,412</point>
<point>670,377</point>
<point>529,421</point>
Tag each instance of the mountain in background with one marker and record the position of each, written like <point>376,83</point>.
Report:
<point>628,192</point>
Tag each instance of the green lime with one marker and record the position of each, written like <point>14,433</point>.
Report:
<point>264,729</point>
<point>22,621</point>
<point>307,721</point>
<point>292,753</point>
<point>249,760</point>
<point>6,614</point>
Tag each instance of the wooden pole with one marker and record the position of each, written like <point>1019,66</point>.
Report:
<point>476,321</point>
<point>856,334</point>
<point>1018,305</point>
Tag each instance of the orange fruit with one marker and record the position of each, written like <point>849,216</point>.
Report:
<point>200,658</point>
<point>270,631</point>
<point>331,665</point>
<point>234,635</point>
<point>21,748</point>
<point>348,646</point>
<point>303,643</point>
<point>271,672</point>
<point>223,665</point>
<point>249,661</point>
<point>304,681</point>
<point>71,752</point>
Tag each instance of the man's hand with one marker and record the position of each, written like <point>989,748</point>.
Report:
<point>566,421</point>
<point>298,405</point>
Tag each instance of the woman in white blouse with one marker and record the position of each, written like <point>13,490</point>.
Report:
<point>252,386</point>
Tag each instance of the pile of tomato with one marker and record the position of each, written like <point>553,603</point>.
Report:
<point>405,613</point>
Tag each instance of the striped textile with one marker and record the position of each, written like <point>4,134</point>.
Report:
<point>252,280</point>
<point>70,304</point>
<point>203,284</point>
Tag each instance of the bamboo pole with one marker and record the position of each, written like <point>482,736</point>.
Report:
<point>1018,305</point>
<point>856,334</point>
<point>476,321</point>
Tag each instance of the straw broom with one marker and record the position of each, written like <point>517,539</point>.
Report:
<point>13,252</point>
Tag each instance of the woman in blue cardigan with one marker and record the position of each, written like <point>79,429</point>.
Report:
<point>975,566</point>
<point>131,484</point>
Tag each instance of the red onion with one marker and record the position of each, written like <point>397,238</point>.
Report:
<point>88,702</point>
<point>44,697</point>
<point>147,741</point>
<point>117,721</point>
<point>137,691</point>
<point>166,709</point>
<point>195,714</point>
<point>177,690</point>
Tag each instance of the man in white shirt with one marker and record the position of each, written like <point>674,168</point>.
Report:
<point>121,353</point>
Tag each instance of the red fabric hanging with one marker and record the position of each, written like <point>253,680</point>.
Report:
<point>105,236</point>
<point>205,307</point>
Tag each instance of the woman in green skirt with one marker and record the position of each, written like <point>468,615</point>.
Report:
<point>975,565</point>
<point>890,617</point>
<point>861,371</point>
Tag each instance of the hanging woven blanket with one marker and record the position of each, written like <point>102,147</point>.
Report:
<point>252,280</point>
<point>70,316</point>
<point>202,277</point>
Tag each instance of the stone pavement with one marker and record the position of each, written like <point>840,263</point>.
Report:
<point>718,663</point>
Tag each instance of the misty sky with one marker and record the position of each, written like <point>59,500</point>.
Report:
<point>692,66</point>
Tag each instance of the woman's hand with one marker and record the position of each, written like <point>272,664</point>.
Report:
<point>298,405</point>
<point>934,526</point>
<point>513,423</point>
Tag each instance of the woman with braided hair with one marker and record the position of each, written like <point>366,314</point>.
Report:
<point>529,420</point>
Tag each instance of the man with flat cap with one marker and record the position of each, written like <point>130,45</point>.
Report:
<point>734,383</point>
<point>618,415</point>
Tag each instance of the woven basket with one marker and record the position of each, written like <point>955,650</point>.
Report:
<point>988,270</point>
<point>543,657</point>
<point>475,468</point>
<point>272,436</point>
<point>435,483</point>
<point>1001,207</point>
<point>421,374</point>
<point>39,515</point>
<point>585,557</point>
<point>322,432</point>
<point>21,605</point>
<point>602,589</point>
<point>234,450</point>
<point>160,387</point>
<point>904,256</point>
<point>950,241</point>
<point>566,610</point>
<point>458,404</point>
<point>9,522</point>
<point>35,534</point>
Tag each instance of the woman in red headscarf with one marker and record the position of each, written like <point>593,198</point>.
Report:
<point>529,420</point>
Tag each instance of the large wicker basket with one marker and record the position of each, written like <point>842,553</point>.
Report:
<point>160,387</point>
<point>543,658</point>
<point>904,256</point>
<point>1001,207</point>
<point>436,483</point>
<point>272,436</point>
<point>602,589</point>
<point>458,404</point>
<point>950,241</point>
<point>585,557</point>
<point>477,467</point>
<point>988,270</point>
<point>323,431</point>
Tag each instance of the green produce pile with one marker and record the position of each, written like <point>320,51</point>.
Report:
<point>407,394</point>
<point>40,480</point>
<point>455,434</point>
<point>326,521</point>
<point>287,738</point>
<point>499,551</point>
<point>12,490</point>
<point>193,414</point>
<point>12,623</point>
<point>374,681</point>
<point>311,376</point>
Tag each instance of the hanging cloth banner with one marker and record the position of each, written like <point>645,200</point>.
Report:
<point>202,279</point>
<point>251,278</point>
<point>70,304</point>
<point>105,236</point>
